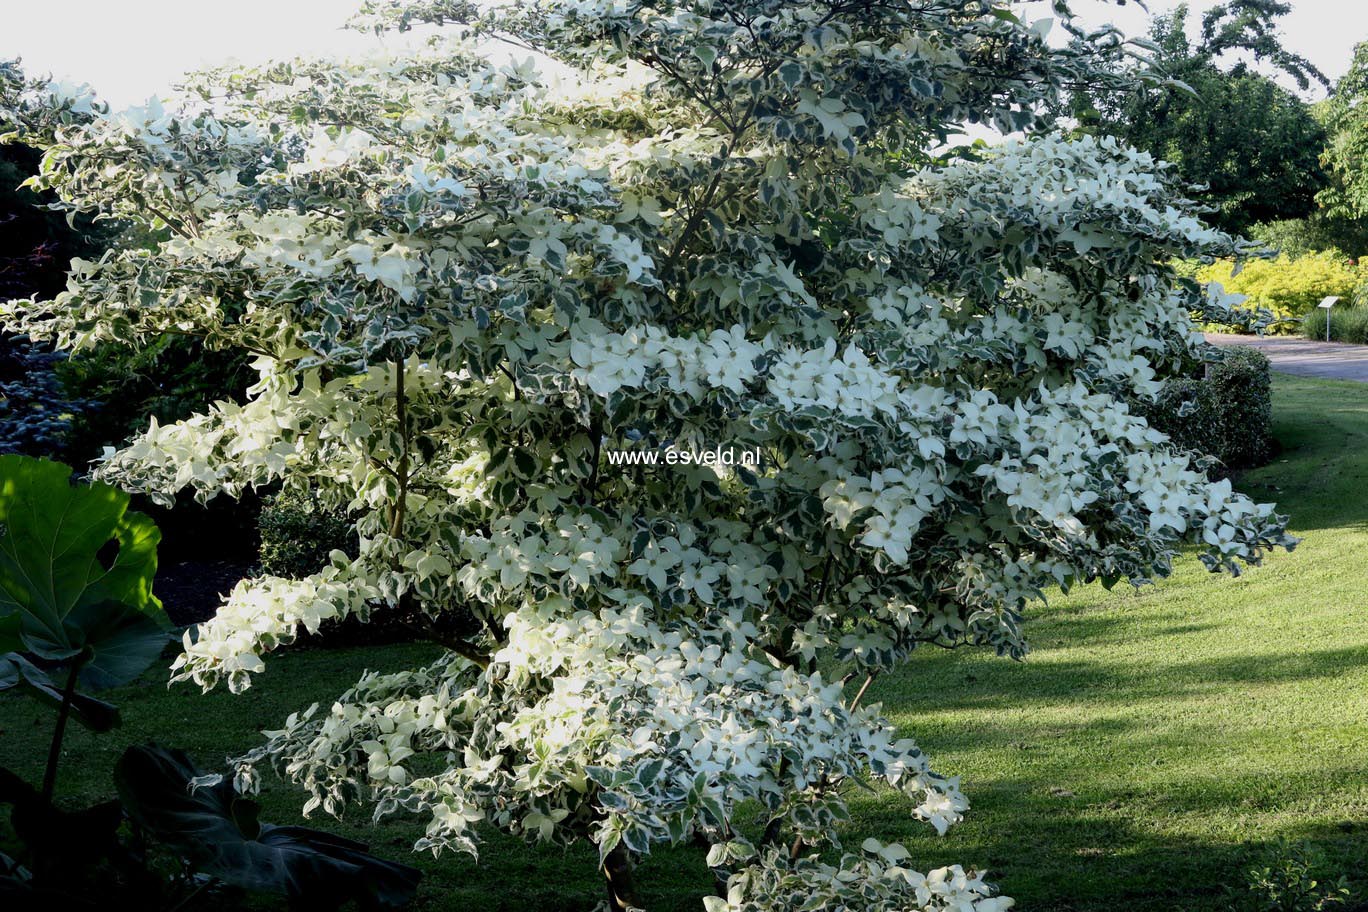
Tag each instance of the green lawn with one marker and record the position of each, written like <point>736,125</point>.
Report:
<point>1128,764</point>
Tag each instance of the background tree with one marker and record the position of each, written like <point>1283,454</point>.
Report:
<point>465,283</point>
<point>1253,144</point>
<point>1345,200</point>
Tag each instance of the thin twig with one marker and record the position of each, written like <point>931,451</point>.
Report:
<point>596,433</point>
<point>402,472</point>
<point>462,648</point>
<point>859,695</point>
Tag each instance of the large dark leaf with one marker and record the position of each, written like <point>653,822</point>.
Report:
<point>217,830</point>
<point>59,841</point>
<point>76,572</point>
<point>11,868</point>
<point>20,895</point>
<point>96,715</point>
<point>120,642</point>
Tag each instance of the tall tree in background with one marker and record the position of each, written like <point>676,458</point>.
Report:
<point>1254,145</point>
<point>1346,197</point>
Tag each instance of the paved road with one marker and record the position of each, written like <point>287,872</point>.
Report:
<point>1294,355</point>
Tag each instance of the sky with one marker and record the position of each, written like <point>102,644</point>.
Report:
<point>130,49</point>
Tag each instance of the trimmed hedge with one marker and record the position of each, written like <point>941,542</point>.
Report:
<point>1186,410</point>
<point>1243,384</point>
<point>1224,414</point>
<point>297,535</point>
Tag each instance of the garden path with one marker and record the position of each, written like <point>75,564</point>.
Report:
<point>1293,355</point>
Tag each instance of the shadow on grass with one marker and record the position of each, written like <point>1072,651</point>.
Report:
<point>1322,428</point>
<point>1084,864</point>
<point>1055,845</point>
<point>1040,680</point>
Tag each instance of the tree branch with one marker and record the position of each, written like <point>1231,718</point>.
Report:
<point>402,471</point>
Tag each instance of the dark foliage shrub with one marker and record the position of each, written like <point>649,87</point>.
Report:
<point>224,529</point>
<point>298,534</point>
<point>35,412</point>
<point>98,398</point>
<point>170,380</point>
<point>122,391</point>
<point>1224,412</point>
<point>36,243</point>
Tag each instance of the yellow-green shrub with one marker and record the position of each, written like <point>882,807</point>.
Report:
<point>1290,287</point>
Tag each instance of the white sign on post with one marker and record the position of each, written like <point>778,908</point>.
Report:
<point>1326,303</point>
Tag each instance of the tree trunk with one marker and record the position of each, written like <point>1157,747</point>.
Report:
<point>622,893</point>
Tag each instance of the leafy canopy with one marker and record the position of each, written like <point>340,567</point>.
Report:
<point>682,224</point>
<point>1252,144</point>
<point>1346,197</point>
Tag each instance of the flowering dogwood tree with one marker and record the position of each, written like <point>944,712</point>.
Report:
<point>690,223</point>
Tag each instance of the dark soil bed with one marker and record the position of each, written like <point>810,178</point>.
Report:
<point>192,590</point>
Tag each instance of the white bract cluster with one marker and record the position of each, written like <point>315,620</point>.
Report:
<point>647,734</point>
<point>875,879</point>
<point>257,616</point>
<point>899,501</point>
<point>712,224</point>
